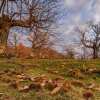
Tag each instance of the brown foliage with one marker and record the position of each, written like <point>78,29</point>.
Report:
<point>26,52</point>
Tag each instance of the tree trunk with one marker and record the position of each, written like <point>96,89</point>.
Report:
<point>4,29</point>
<point>95,53</point>
<point>3,37</point>
<point>3,41</point>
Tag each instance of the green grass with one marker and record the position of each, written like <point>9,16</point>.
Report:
<point>40,67</point>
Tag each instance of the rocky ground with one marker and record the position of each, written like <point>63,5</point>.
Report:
<point>27,79</point>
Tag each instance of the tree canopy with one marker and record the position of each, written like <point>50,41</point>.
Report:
<point>37,15</point>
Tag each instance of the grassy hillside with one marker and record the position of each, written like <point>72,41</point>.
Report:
<point>68,70</point>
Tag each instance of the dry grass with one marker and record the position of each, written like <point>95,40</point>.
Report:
<point>52,69</point>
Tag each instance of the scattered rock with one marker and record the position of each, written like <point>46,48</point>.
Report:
<point>76,73</point>
<point>1,94</point>
<point>22,76</point>
<point>90,86</point>
<point>60,85</point>
<point>35,86</point>
<point>56,90</point>
<point>67,86</point>
<point>53,85</point>
<point>88,94</point>
<point>52,71</point>
<point>24,89</point>
<point>78,83</point>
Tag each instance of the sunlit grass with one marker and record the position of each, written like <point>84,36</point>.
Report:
<point>41,67</point>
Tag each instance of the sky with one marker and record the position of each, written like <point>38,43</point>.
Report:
<point>76,13</point>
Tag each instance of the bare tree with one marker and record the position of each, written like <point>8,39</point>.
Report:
<point>32,14</point>
<point>38,40</point>
<point>91,39</point>
<point>14,41</point>
<point>69,52</point>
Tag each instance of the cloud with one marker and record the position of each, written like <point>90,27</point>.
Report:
<point>97,11</point>
<point>75,5</point>
<point>75,2</point>
<point>78,13</point>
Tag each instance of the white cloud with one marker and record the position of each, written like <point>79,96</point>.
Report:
<point>97,11</point>
<point>75,5</point>
<point>80,12</point>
